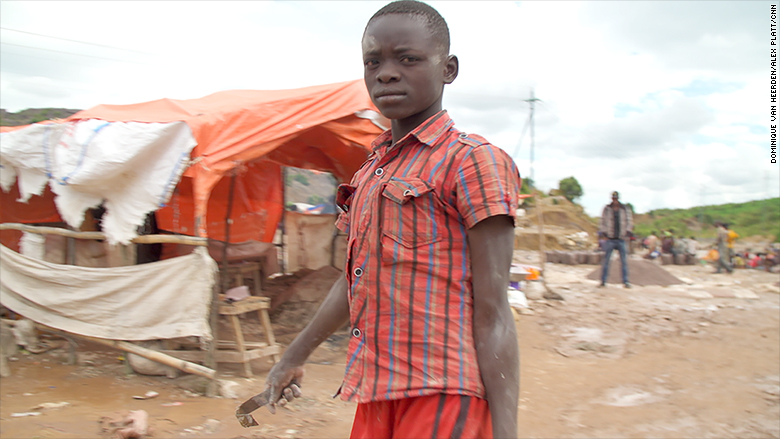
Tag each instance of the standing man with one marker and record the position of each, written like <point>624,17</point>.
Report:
<point>429,217</point>
<point>616,225</point>
<point>724,253</point>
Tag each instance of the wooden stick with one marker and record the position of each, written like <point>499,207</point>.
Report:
<point>142,239</point>
<point>548,293</point>
<point>5,371</point>
<point>540,222</point>
<point>184,366</point>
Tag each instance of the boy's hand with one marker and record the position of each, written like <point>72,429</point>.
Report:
<point>284,382</point>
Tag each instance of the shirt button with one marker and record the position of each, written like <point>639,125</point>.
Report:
<point>356,332</point>
<point>379,172</point>
<point>358,272</point>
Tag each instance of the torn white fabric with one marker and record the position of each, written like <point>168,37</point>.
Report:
<point>131,167</point>
<point>23,155</point>
<point>159,300</point>
<point>33,245</point>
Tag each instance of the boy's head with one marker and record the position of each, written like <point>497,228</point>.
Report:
<point>407,63</point>
<point>431,17</point>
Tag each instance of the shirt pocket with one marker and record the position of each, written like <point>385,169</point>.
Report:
<point>344,195</point>
<point>409,212</point>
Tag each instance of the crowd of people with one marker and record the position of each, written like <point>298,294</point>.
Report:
<point>666,243</point>
<point>616,233</point>
<point>721,254</point>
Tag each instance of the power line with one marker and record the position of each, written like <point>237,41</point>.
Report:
<point>520,141</point>
<point>485,96</point>
<point>72,41</point>
<point>45,58</point>
<point>70,53</point>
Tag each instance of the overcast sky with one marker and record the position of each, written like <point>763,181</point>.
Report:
<point>666,102</point>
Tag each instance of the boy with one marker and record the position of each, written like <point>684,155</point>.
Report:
<point>433,350</point>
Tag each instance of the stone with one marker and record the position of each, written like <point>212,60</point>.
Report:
<point>228,389</point>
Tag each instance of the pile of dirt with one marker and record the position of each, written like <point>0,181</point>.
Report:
<point>294,304</point>
<point>640,272</point>
<point>566,226</point>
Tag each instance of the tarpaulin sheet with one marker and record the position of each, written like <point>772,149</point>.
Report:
<point>245,132</point>
<point>159,300</point>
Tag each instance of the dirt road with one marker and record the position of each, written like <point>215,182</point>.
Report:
<point>687,361</point>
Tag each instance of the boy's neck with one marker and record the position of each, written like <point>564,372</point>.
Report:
<point>401,127</point>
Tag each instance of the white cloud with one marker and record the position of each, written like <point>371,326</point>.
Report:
<point>666,102</point>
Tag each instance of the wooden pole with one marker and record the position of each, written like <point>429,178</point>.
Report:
<point>284,218</point>
<point>540,221</point>
<point>219,286</point>
<point>159,357</point>
<point>211,352</point>
<point>184,366</point>
<point>143,239</point>
<point>5,371</point>
<point>227,230</point>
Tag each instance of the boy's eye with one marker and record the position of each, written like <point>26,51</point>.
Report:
<point>370,63</point>
<point>409,59</point>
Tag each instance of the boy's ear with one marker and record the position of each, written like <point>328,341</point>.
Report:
<point>450,69</point>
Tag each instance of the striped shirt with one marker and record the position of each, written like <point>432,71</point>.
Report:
<point>407,211</point>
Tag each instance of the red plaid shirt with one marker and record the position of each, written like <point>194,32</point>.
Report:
<point>407,210</point>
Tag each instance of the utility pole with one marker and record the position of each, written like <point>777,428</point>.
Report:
<point>548,293</point>
<point>532,101</point>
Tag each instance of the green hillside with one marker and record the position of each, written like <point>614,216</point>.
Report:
<point>33,115</point>
<point>754,218</point>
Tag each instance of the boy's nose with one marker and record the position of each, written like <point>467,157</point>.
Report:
<point>387,73</point>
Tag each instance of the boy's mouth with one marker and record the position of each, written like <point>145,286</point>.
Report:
<point>389,96</point>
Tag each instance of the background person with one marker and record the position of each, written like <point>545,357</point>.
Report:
<point>616,226</point>
<point>724,256</point>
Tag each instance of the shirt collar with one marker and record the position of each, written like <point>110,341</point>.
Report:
<point>426,133</point>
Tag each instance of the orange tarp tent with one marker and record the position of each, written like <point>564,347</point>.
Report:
<point>250,134</point>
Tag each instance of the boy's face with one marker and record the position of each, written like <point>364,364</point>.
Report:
<point>405,68</point>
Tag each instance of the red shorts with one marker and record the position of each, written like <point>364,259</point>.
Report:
<point>435,416</point>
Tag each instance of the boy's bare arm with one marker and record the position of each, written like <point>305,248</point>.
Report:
<point>287,373</point>
<point>491,243</point>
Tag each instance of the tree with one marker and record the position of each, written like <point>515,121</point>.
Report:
<point>570,188</point>
<point>527,185</point>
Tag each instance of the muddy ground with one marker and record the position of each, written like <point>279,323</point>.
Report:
<point>697,360</point>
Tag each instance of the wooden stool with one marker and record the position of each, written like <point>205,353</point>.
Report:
<point>249,350</point>
<point>240,271</point>
<point>239,351</point>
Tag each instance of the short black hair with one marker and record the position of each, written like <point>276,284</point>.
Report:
<point>430,16</point>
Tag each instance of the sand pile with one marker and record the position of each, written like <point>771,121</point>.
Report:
<point>640,272</point>
<point>563,221</point>
<point>296,298</point>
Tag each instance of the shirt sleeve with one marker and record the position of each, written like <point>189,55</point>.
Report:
<point>487,184</point>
